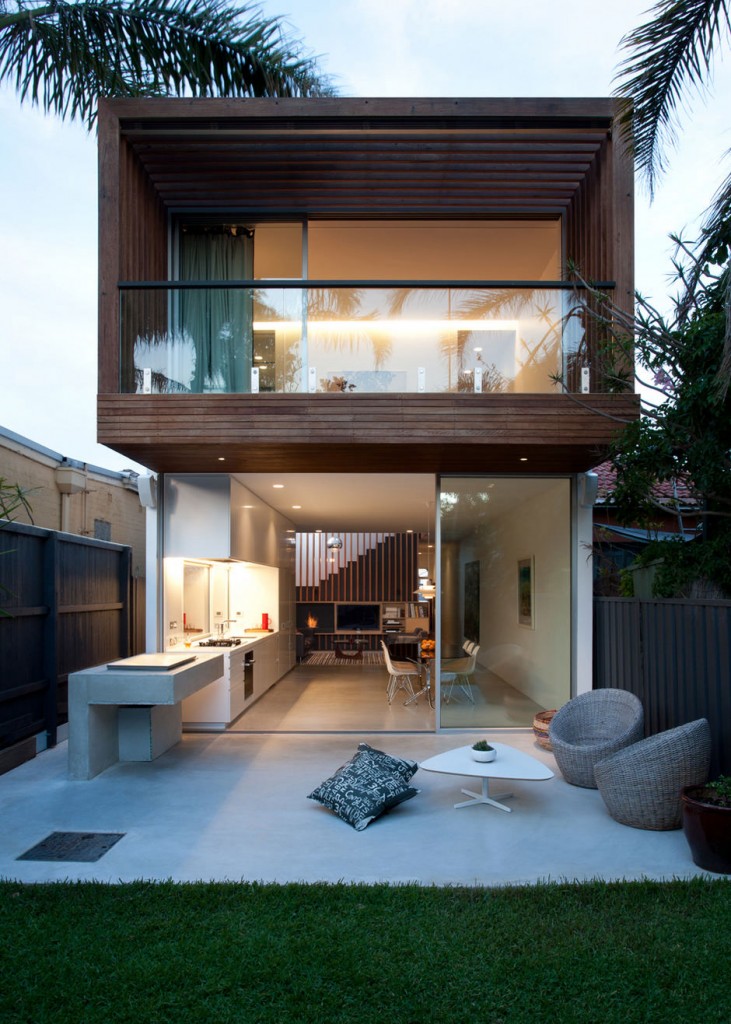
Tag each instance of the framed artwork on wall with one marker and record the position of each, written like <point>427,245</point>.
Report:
<point>526,592</point>
<point>472,601</point>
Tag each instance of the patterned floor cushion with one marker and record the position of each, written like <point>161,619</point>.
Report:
<point>368,784</point>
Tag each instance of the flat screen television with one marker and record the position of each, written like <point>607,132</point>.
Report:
<point>358,616</point>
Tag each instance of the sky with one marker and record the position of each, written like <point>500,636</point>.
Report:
<point>437,48</point>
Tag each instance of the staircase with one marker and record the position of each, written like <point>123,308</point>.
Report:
<point>367,567</point>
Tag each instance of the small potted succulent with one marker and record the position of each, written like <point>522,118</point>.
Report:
<point>707,823</point>
<point>482,751</point>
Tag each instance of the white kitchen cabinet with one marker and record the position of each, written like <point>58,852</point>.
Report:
<point>266,664</point>
<point>287,619</point>
<point>212,515</point>
<point>221,702</point>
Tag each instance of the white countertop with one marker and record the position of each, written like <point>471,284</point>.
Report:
<point>247,639</point>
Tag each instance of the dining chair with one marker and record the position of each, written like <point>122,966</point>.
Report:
<point>400,674</point>
<point>458,672</point>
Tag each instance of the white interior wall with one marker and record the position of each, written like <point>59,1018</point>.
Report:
<point>153,575</point>
<point>583,596</point>
<point>173,601</point>
<point>253,591</point>
<point>536,661</point>
<point>219,596</point>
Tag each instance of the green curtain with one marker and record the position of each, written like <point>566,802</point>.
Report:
<point>218,320</point>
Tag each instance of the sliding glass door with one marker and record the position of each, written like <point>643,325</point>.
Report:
<point>506,595</point>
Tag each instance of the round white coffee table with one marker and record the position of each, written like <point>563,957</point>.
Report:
<point>508,764</point>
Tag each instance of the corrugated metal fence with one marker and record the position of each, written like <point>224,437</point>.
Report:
<point>69,605</point>
<point>675,656</point>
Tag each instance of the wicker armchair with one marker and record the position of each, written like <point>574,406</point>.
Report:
<point>641,784</point>
<point>592,726</point>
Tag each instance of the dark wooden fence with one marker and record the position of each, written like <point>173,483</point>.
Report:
<point>676,656</point>
<point>68,604</point>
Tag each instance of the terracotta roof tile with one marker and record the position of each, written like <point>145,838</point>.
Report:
<point>667,490</point>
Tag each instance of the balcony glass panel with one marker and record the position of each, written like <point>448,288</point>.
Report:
<point>203,338</point>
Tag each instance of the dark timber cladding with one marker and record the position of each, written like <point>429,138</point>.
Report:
<point>337,432</point>
<point>351,158</point>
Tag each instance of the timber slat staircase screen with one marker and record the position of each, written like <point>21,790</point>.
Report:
<point>368,567</point>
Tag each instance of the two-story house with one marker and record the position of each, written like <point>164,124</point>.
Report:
<point>340,296</point>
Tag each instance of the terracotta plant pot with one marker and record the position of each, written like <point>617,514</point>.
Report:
<point>707,828</point>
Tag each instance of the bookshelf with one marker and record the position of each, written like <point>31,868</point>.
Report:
<point>405,617</point>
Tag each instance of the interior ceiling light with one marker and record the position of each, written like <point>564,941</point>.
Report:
<point>221,458</point>
<point>335,542</point>
<point>278,487</point>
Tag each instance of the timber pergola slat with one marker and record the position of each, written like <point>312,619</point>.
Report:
<point>378,153</point>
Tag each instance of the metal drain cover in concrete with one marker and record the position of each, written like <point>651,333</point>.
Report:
<point>79,846</point>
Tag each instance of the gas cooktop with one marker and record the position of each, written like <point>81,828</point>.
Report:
<point>220,643</point>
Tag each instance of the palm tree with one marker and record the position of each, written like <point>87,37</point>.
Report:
<point>669,55</point>
<point>65,55</point>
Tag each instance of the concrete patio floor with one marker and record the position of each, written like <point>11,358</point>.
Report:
<point>235,807</point>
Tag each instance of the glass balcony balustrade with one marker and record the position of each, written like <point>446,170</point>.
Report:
<point>362,338</point>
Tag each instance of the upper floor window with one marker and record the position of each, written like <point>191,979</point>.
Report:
<point>486,324</point>
<point>516,250</point>
<point>378,250</point>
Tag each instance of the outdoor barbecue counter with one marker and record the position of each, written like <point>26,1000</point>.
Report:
<point>130,710</point>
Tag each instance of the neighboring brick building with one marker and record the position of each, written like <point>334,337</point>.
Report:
<point>75,497</point>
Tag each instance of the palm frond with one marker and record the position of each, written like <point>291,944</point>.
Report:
<point>667,54</point>
<point>64,55</point>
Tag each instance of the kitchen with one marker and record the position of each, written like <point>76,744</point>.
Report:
<point>228,583</point>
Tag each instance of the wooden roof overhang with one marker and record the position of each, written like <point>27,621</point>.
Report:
<point>331,433</point>
<point>332,157</point>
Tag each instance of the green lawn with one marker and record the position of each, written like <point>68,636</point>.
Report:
<point>214,953</point>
